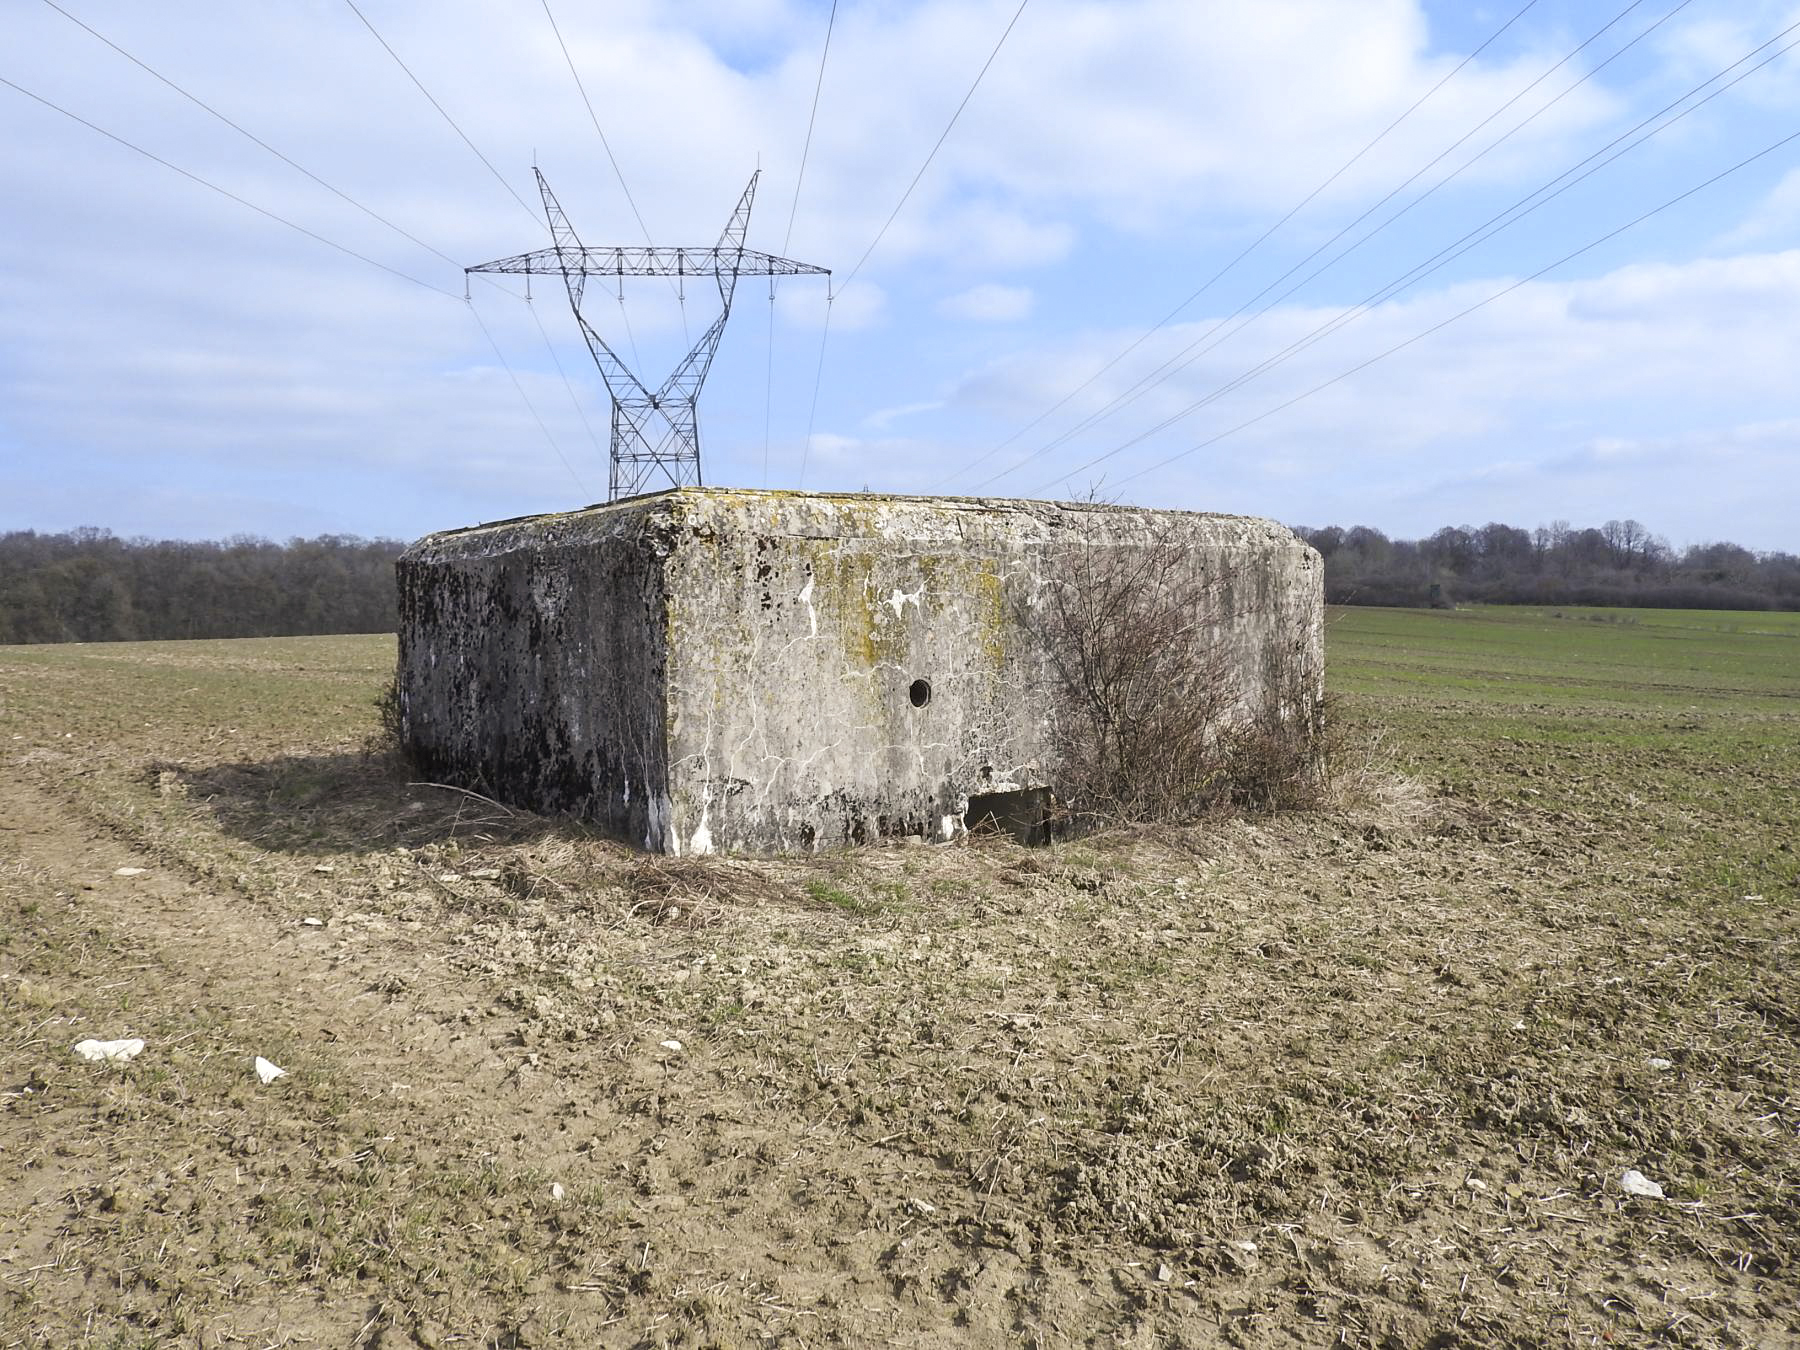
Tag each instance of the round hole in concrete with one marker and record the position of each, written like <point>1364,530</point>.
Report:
<point>919,692</point>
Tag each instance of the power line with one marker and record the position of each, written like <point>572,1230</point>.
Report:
<point>251,136</point>
<point>256,140</point>
<point>311,234</point>
<point>825,333</point>
<point>501,179</point>
<point>1207,341</point>
<point>225,192</point>
<point>811,118</point>
<point>935,148</point>
<point>818,377</point>
<point>769,381</point>
<point>618,173</point>
<point>1255,244</point>
<point>1482,304</point>
<point>579,410</point>
<point>498,177</point>
<point>1188,354</point>
<point>594,118</point>
<point>528,403</point>
<point>1511,215</point>
<point>786,240</point>
<point>335,191</point>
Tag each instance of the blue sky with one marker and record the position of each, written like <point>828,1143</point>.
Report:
<point>174,363</point>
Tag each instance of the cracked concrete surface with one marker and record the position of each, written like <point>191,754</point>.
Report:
<point>712,669</point>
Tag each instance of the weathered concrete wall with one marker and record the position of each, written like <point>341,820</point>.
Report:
<point>532,659</point>
<point>710,670</point>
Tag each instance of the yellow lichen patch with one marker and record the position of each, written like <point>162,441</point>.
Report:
<point>989,593</point>
<point>840,594</point>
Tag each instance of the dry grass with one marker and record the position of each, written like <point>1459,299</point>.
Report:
<point>1365,1075</point>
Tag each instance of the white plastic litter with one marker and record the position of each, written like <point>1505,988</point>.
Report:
<point>1635,1182</point>
<point>310,922</point>
<point>130,871</point>
<point>671,1045</point>
<point>556,1191</point>
<point>1663,1064</point>
<point>112,1052</point>
<point>268,1072</point>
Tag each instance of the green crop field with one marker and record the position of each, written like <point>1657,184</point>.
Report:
<point>1679,728</point>
<point>1676,660</point>
<point>1398,1071</point>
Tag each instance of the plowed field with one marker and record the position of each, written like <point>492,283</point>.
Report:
<point>1373,1075</point>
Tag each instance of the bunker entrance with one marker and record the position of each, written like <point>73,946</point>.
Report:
<point>1024,814</point>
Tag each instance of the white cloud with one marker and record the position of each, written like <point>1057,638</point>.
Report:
<point>1683,355</point>
<point>883,418</point>
<point>1775,219</point>
<point>989,302</point>
<point>1117,152</point>
<point>855,307</point>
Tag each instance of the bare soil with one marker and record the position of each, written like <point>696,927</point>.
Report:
<point>1365,1076</point>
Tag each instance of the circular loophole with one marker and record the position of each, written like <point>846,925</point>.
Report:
<point>919,692</point>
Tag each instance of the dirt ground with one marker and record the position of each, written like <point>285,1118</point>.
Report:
<point>1368,1076</point>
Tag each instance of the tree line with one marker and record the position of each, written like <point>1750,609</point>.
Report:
<point>88,585</point>
<point>1618,563</point>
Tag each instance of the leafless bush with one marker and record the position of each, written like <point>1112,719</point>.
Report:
<point>1147,724</point>
<point>388,741</point>
<point>1280,758</point>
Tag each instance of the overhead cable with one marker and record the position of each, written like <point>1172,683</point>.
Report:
<point>251,136</point>
<point>818,377</point>
<point>1205,343</point>
<point>594,118</point>
<point>1463,314</point>
<point>557,361</point>
<point>893,215</point>
<point>618,173</point>
<point>1502,220</point>
<point>368,211</point>
<point>936,147</point>
<point>498,176</point>
<point>787,239</point>
<point>226,192</point>
<point>1255,244</point>
<point>505,365</point>
<point>310,234</point>
<point>812,117</point>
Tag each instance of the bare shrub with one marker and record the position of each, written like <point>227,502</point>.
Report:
<point>1147,724</point>
<point>1281,758</point>
<point>388,741</point>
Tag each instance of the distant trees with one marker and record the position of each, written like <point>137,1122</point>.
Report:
<point>90,586</point>
<point>1619,563</point>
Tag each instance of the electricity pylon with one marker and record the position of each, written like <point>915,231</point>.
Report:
<point>660,430</point>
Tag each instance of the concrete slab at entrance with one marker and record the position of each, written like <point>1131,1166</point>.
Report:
<point>713,669</point>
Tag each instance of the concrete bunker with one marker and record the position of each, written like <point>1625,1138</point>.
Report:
<point>710,669</point>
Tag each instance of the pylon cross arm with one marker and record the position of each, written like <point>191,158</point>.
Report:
<point>650,262</point>
<point>675,451</point>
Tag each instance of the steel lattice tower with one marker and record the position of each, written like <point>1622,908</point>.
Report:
<point>658,430</point>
